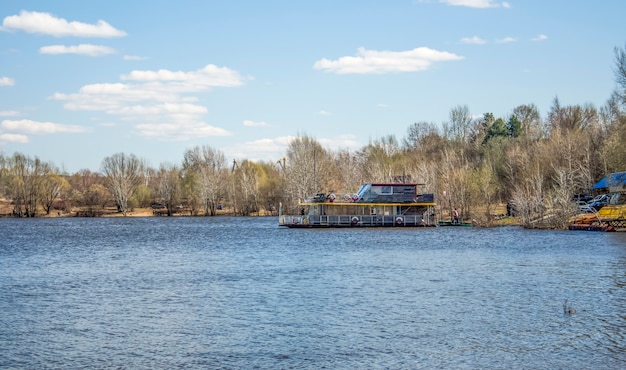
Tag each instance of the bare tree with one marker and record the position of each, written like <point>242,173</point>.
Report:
<point>95,198</point>
<point>306,169</point>
<point>572,117</point>
<point>87,190</point>
<point>418,132</point>
<point>247,178</point>
<point>613,151</point>
<point>528,115</point>
<point>3,173</point>
<point>620,70</point>
<point>169,186</point>
<point>123,173</point>
<point>486,188</point>
<point>23,180</point>
<point>350,174</point>
<point>206,168</point>
<point>379,160</point>
<point>528,194</point>
<point>271,185</point>
<point>559,199</point>
<point>459,127</point>
<point>52,187</point>
<point>452,179</point>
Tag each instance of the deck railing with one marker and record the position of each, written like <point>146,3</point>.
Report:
<point>356,221</point>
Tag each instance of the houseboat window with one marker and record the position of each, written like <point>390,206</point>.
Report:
<point>386,190</point>
<point>315,210</point>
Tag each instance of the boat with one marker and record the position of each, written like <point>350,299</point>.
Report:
<point>374,205</point>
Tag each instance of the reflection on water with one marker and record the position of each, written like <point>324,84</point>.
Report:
<point>242,292</point>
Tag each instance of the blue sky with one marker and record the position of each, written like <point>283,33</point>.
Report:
<point>81,80</point>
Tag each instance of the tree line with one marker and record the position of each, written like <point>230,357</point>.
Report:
<point>532,162</point>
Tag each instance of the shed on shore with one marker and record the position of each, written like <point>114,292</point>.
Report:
<point>614,183</point>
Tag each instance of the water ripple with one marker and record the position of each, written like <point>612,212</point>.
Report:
<point>243,293</point>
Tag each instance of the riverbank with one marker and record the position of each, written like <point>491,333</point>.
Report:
<point>498,215</point>
<point>6,210</point>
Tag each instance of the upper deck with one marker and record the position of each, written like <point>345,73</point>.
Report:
<point>377,193</point>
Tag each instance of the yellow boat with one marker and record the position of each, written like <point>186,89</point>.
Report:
<point>611,217</point>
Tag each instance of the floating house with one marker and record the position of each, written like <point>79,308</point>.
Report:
<point>374,205</point>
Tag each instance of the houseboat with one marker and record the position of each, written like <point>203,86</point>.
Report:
<point>374,205</point>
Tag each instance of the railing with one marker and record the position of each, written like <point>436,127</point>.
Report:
<point>356,221</point>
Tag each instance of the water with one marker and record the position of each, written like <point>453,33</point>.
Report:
<point>165,293</point>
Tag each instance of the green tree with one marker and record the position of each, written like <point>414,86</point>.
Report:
<point>514,125</point>
<point>481,126</point>
<point>497,129</point>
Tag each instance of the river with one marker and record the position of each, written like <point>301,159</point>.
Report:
<point>223,292</point>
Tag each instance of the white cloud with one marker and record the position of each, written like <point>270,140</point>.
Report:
<point>36,128</point>
<point>261,147</point>
<point>267,149</point>
<point>113,97</point>
<point>378,62</point>
<point>82,49</point>
<point>161,109</point>
<point>249,123</point>
<point>340,142</point>
<point>382,105</point>
<point>47,24</point>
<point>209,76</point>
<point>179,131</point>
<point>475,40</point>
<point>154,86</point>
<point>324,113</point>
<point>158,103</point>
<point>14,138</point>
<point>480,4</point>
<point>273,149</point>
<point>506,40</point>
<point>9,113</point>
<point>540,38</point>
<point>6,81</point>
<point>134,57</point>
